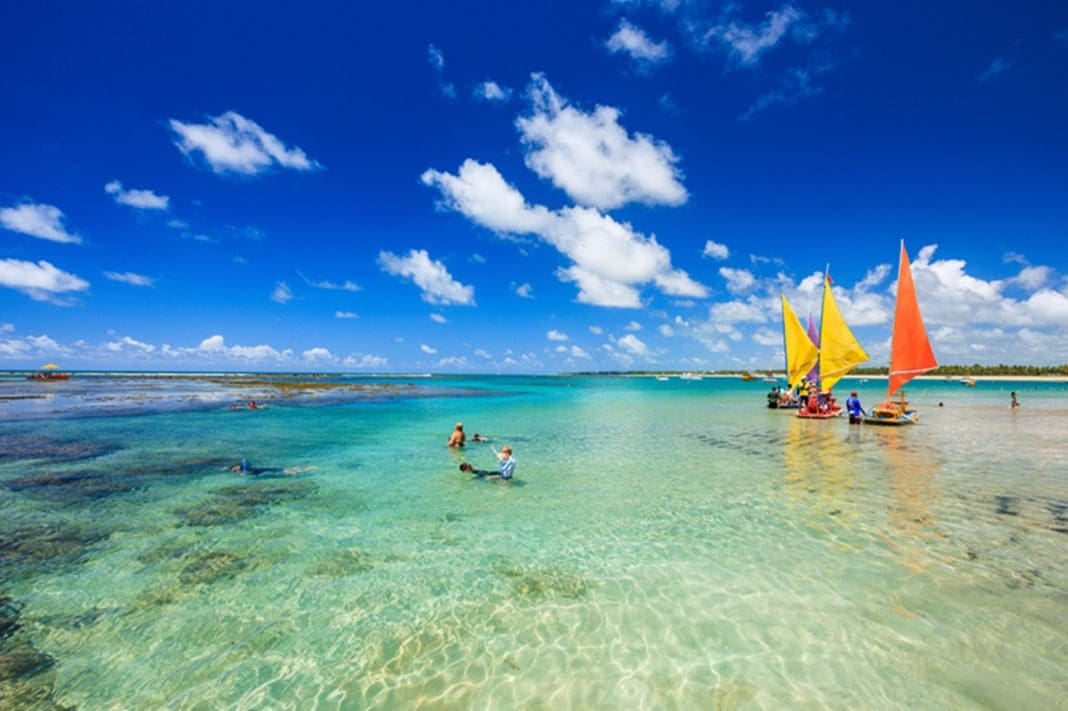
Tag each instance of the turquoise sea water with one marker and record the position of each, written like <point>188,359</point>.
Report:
<point>664,545</point>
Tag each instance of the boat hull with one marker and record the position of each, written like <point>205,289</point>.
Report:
<point>898,421</point>
<point>827,415</point>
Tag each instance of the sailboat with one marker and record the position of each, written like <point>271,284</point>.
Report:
<point>910,351</point>
<point>801,354</point>
<point>839,353</point>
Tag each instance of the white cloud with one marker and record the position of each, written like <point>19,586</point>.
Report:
<point>427,349</point>
<point>1032,278</point>
<point>633,344</point>
<point>767,337</point>
<point>480,193</point>
<point>127,344</point>
<point>596,330</point>
<point>874,277</point>
<point>141,199</point>
<point>492,91</point>
<point>633,326</point>
<point>715,250</point>
<point>437,285</point>
<point>40,281</point>
<point>347,285</point>
<point>7,327</point>
<point>555,335</point>
<point>282,293</point>
<point>666,330</point>
<point>453,362</point>
<point>999,65</point>
<point>524,290</point>
<point>346,314</point>
<point>319,355</point>
<point>592,158</point>
<point>610,257</point>
<point>577,352</point>
<point>438,318</point>
<point>131,278</point>
<point>214,348</point>
<point>747,42</point>
<point>231,143</point>
<point>794,85</point>
<point>364,360</point>
<point>435,57</point>
<point>38,220</point>
<point>738,280</point>
<point>633,41</point>
<point>732,312</point>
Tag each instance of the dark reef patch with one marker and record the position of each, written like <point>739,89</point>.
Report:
<point>26,678</point>
<point>544,582</point>
<point>231,504</point>
<point>210,566</point>
<point>41,547</point>
<point>15,446</point>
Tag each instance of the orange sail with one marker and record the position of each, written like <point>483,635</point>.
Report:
<point>910,351</point>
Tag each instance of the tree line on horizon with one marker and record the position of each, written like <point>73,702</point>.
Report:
<point>943,370</point>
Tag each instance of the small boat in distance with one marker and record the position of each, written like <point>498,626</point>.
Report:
<point>49,371</point>
<point>690,376</point>
<point>910,352</point>
<point>968,382</point>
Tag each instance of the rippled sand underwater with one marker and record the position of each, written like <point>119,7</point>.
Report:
<point>665,545</point>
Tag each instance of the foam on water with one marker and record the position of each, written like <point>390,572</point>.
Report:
<point>665,545</point>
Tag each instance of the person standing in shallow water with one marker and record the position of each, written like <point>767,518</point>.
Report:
<point>855,409</point>
<point>1014,404</point>
<point>456,439</point>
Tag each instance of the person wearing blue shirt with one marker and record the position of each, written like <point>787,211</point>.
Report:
<point>855,409</point>
<point>505,465</point>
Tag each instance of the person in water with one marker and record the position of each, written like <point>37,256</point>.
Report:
<point>244,468</point>
<point>476,437</point>
<point>456,439</point>
<point>505,465</point>
<point>1014,404</point>
<point>855,409</point>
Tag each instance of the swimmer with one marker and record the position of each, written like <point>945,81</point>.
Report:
<point>456,439</point>
<point>505,466</point>
<point>476,437</point>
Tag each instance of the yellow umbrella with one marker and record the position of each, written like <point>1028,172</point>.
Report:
<point>49,366</point>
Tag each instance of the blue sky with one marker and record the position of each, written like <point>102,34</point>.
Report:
<point>490,187</point>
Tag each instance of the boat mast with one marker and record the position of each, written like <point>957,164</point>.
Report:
<point>823,338</point>
<point>893,327</point>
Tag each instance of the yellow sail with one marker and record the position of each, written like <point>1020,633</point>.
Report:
<point>801,352</point>
<point>839,350</point>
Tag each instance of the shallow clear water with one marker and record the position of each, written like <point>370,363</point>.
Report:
<point>664,545</point>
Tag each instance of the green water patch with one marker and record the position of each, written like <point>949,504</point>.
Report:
<point>198,568</point>
<point>232,504</point>
<point>210,566</point>
<point>754,443</point>
<point>26,676</point>
<point>73,486</point>
<point>351,562</point>
<point>43,547</point>
<point>540,583</point>
<point>76,487</point>
<point>19,446</point>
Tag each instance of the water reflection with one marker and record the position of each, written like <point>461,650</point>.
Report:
<point>911,471</point>
<point>821,471</point>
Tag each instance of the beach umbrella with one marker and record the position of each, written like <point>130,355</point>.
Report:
<point>49,366</point>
